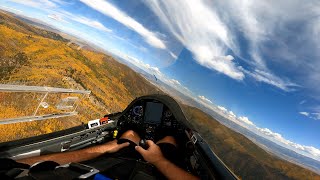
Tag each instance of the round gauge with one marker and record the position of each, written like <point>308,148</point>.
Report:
<point>138,110</point>
<point>167,113</point>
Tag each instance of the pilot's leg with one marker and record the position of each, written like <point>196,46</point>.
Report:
<point>169,149</point>
<point>169,140</point>
<point>131,136</point>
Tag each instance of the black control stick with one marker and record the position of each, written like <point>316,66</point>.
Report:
<point>143,144</point>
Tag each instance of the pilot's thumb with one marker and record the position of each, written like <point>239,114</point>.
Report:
<point>140,150</point>
<point>124,145</point>
<point>150,143</point>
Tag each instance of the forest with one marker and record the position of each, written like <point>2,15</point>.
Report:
<point>35,57</point>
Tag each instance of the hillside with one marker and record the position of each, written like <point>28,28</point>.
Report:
<point>31,56</point>
<point>240,154</point>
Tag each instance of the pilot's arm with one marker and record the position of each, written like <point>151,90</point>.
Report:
<point>154,156</point>
<point>77,156</point>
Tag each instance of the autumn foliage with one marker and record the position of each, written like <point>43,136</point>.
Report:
<point>32,56</point>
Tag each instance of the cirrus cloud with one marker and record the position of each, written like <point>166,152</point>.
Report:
<point>110,10</point>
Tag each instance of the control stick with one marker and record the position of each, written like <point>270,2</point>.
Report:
<point>143,144</point>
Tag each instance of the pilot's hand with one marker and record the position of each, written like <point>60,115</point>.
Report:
<point>153,154</point>
<point>112,146</point>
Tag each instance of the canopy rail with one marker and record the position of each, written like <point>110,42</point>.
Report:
<point>35,116</point>
<point>43,89</point>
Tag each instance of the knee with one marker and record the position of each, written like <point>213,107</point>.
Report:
<point>168,139</point>
<point>129,133</point>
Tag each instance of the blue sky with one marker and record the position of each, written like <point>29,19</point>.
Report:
<point>255,62</point>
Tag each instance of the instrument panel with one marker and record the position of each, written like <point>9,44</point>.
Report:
<point>152,119</point>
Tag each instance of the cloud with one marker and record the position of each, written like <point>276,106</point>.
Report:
<point>231,114</point>
<point>205,99</point>
<point>40,4</point>
<point>304,113</point>
<point>245,120</point>
<point>154,71</point>
<point>311,115</point>
<point>268,32</point>
<point>303,102</point>
<point>173,55</point>
<point>108,9</point>
<point>271,79</point>
<point>208,39</point>
<point>308,151</point>
<point>175,82</point>
<point>315,116</point>
<point>222,108</point>
<point>90,22</point>
<point>11,9</point>
<point>61,16</point>
<point>56,17</point>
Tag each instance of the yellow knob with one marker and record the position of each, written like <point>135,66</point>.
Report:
<point>115,133</point>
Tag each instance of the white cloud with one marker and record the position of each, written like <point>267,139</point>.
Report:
<point>201,31</point>
<point>11,9</point>
<point>56,17</point>
<point>308,151</point>
<point>90,22</point>
<point>203,98</point>
<point>174,82</point>
<point>113,12</point>
<point>315,116</point>
<point>304,113</point>
<point>311,115</point>
<point>61,16</point>
<point>40,4</point>
<point>271,79</point>
<point>303,102</point>
<point>245,120</point>
<point>173,55</point>
<point>222,108</point>
<point>155,71</point>
<point>209,29</point>
<point>231,114</point>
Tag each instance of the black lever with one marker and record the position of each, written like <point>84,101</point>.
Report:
<point>143,144</point>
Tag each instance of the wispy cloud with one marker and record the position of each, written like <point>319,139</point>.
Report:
<point>302,102</point>
<point>311,115</point>
<point>110,10</point>
<point>207,39</point>
<point>37,3</point>
<point>64,16</point>
<point>11,9</point>
<point>90,22</point>
<point>203,98</point>
<point>155,71</point>
<point>267,77</point>
<point>173,55</point>
<point>211,29</point>
<point>304,113</point>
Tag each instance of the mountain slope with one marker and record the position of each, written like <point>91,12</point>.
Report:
<point>245,158</point>
<point>29,57</point>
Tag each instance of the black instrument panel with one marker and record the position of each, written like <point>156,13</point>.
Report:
<point>151,119</point>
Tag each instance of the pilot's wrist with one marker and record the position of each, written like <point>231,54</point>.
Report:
<point>160,162</point>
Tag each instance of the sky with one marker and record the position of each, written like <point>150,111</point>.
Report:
<point>256,62</point>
